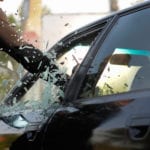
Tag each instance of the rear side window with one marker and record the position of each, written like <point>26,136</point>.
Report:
<point>123,61</point>
<point>126,70</point>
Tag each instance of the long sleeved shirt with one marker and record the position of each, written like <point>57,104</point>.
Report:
<point>30,57</point>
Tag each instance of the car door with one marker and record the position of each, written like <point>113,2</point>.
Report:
<point>118,80</point>
<point>70,52</point>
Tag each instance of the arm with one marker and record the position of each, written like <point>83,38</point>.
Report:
<point>30,57</point>
<point>12,44</point>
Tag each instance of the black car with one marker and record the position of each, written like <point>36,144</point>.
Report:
<point>105,102</point>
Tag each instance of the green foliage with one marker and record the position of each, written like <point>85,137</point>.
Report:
<point>12,19</point>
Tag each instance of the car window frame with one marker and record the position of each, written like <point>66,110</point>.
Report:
<point>74,96</point>
<point>77,80</point>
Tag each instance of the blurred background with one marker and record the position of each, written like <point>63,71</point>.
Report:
<point>44,22</point>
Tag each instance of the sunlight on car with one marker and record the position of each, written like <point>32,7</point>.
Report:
<point>32,103</point>
<point>73,58</point>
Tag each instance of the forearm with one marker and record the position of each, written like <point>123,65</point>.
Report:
<point>30,57</point>
<point>12,44</point>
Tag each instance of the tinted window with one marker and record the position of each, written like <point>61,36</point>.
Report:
<point>126,70</point>
<point>122,64</point>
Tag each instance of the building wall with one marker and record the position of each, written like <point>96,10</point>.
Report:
<point>127,3</point>
<point>78,6</point>
<point>56,26</point>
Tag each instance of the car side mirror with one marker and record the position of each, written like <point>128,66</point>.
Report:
<point>16,121</point>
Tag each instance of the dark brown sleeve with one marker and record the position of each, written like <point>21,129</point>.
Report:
<point>8,35</point>
<point>30,57</point>
<point>12,44</point>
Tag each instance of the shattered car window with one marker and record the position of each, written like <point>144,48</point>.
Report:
<point>73,58</point>
<point>36,105</point>
<point>41,95</point>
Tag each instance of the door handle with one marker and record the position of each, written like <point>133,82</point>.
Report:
<point>138,127</point>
